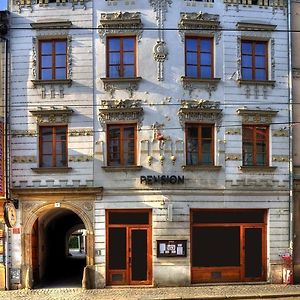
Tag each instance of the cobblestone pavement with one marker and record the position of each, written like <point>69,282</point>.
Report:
<point>196,292</point>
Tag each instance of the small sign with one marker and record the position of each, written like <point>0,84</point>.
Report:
<point>166,248</point>
<point>56,204</point>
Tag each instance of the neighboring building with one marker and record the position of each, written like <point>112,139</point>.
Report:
<point>163,134</point>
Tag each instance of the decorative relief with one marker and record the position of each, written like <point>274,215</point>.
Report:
<point>199,23</point>
<point>25,3</point>
<point>282,132</point>
<point>280,158</point>
<point>233,131</point>
<point>160,53</point>
<point>233,156</point>
<point>261,4</point>
<point>118,110</point>
<point>23,159</point>
<point>199,110</point>
<point>254,116</point>
<point>190,84</point>
<point>52,115</point>
<point>23,133</point>
<point>81,132</point>
<point>80,158</point>
<point>120,22</point>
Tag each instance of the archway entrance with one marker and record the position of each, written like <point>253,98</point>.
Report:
<point>58,249</point>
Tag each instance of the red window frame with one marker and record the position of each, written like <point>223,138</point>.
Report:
<point>121,140</point>
<point>254,139</point>
<point>199,151</point>
<point>53,55</point>
<point>121,65</point>
<point>54,142</point>
<point>254,57</point>
<point>200,64</point>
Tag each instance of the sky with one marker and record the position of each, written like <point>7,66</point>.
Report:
<point>3,4</point>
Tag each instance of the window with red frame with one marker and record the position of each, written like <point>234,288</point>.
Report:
<point>254,60</point>
<point>121,57</point>
<point>53,146</point>
<point>255,145</point>
<point>199,57</point>
<point>53,59</point>
<point>199,144</point>
<point>121,145</point>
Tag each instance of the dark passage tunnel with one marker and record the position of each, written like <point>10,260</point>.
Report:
<point>60,266</point>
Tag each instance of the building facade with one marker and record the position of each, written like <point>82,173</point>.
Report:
<point>159,127</point>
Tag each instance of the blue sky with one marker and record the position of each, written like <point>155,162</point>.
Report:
<point>3,4</point>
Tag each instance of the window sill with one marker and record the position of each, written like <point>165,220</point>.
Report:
<point>257,82</point>
<point>54,81</point>
<point>201,168</point>
<point>52,170</point>
<point>122,169</point>
<point>200,80</point>
<point>257,168</point>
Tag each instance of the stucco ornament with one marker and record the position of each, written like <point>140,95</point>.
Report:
<point>52,115</point>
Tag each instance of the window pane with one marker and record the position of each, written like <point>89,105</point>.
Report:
<point>205,72</point>
<point>114,132</point>
<point>193,132</point>
<point>61,133</point>
<point>205,59</point>
<point>46,48</point>
<point>191,44</point>
<point>260,48</point>
<point>205,45</point>
<point>128,71</point>
<point>206,146</point>
<point>128,58</point>
<point>246,48</point>
<point>47,148</point>
<point>260,62</point>
<point>61,160</point>
<point>191,71</point>
<point>261,133</point>
<point>60,47</point>
<point>260,74</point>
<point>46,74</point>
<point>247,61</point>
<point>114,44</point>
<point>46,134</point>
<point>46,62</point>
<point>128,44</point>
<point>60,73</point>
<point>191,58</point>
<point>206,158</point>
<point>129,133</point>
<point>60,61</point>
<point>114,71</point>
<point>46,161</point>
<point>247,153</point>
<point>261,159</point>
<point>114,58</point>
<point>246,74</point>
<point>192,158</point>
<point>206,132</point>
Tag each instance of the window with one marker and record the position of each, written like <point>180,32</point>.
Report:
<point>121,57</point>
<point>53,146</point>
<point>255,145</point>
<point>53,59</point>
<point>199,57</point>
<point>121,145</point>
<point>200,144</point>
<point>254,60</point>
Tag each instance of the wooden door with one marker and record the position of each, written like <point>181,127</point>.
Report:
<point>35,251</point>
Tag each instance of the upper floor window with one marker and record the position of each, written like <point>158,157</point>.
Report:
<point>53,146</point>
<point>121,145</point>
<point>255,145</point>
<point>53,59</point>
<point>199,57</point>
<point>254,60</point>
<point>200,144</point>
<point>121,57</point>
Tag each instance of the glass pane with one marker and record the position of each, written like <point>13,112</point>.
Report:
<point>60,61</point>
<point>260,74</point>
<point>205,59</point>
<point>206,132</point>
<point>114,44</point>
<point>129,132</point>
<point>205,72</point>
<point>128,44</point>
<point>247,153</point>
<point>191,44</point>
<point>260,48</point>
<point>128,58</point>
<point>260,62</point>
<point>246,48</point>
<point>247,61</point>
<point>60,73</point>
<point>46,48</point>
<point>46,62</point>
<point>61,133</point>
<point>46,74</point>
<point>261,133</point>
<point>193,132</point>
<point>114,132</point>
<point>114,58</point>
<point>46,134</point>
<point>128,218</point>
<point>205,45</point>
<point>117,248</point>
<point>47,148</point>
<point>206,158</point>
<point>128,159</point>
<point>61,148</point>
<point>206,146</point>
<point>248,133</point>
<point>261,159</point>
<point>139,254</point>
<point>191,58</point>
<point>114,72</point>
<point>46,161</point>
<point>192,158</point>
<point>60,47</point>
<point>128,71</point>
<point>191,71</point>
<point>246,74</point>
<point>61,160</point>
